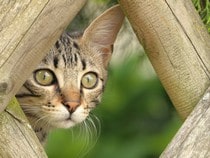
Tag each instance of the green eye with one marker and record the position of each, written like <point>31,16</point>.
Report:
<point>89,80</point>
<point>44,77</point>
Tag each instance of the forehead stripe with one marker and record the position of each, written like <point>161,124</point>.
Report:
<point>55,62</point>
<point>57,45</point>
<point>64,59</point>
<point>83,64</point>
<point>75,57</point>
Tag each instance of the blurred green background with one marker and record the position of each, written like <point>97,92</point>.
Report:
<point>137,119</point>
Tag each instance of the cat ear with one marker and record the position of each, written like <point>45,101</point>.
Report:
<point>102,32</point>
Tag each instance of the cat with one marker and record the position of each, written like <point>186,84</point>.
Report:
<point>69,82</point>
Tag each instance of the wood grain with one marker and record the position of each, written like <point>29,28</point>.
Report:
<point>28,28</point>
<point>27,31</point>
<point>17,136</point>
<point>177,44</point>
<point>192,139</point>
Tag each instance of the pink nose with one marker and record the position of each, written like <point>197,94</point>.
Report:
<point>72,105</point>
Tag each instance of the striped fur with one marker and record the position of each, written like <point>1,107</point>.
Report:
<point>67,100</point>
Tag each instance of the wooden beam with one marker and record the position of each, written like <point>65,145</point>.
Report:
<point>177,44</point>
<point>193,138</point>
<point>17,136</point>
<point>27,31</point>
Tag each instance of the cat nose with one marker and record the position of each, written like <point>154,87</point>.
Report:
<point>72,105</point>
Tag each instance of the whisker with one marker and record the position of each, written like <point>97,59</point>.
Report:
<point>88,133</point>
<point>43,120</point>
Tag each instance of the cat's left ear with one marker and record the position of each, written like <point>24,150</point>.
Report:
<point>102,32</point>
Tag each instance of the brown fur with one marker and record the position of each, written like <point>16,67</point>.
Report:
<point>71,63</point>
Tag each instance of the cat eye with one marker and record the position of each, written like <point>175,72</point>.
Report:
<point>89,80</point>
<point>44,77</point>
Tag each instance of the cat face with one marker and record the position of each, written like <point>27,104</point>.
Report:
<point>66,85</point>
<point>69,81</point>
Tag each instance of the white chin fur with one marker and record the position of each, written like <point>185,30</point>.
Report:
<point>66,122</point>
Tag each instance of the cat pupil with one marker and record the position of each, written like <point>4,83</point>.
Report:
<point>44,77</point>
<point>89,80</point>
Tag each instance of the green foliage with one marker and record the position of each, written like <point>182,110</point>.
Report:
<point>203,8</point>
<point>137,118</point>
<point>107,2</point>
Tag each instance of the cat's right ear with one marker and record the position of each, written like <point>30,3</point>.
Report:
<point>102,32</point>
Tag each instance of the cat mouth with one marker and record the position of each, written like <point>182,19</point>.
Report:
<point>62,117</point>
<point>64,123</point>
<point>66,118</point>
<point>69,118</point>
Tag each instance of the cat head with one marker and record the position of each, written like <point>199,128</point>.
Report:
<point>69,81</point>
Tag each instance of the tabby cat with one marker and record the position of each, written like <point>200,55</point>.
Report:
<point>70,80</point>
